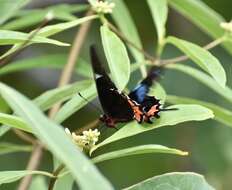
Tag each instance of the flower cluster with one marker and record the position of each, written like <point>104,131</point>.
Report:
<point>86,141</point>
<point>227,26</point>
<point>103,7</point>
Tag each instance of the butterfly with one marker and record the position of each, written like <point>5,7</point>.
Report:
<point>120,107</point>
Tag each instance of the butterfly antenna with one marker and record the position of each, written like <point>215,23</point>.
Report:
<point>6,60</point>
<point>169,109</point>
<point>93,105</point>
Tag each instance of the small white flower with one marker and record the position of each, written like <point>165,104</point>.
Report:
<point>86,141</point>
<point>67,131</point>
<point>226,26</point>
<point>103,7</point>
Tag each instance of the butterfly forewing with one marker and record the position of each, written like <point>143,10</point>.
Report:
<point>114,103</point>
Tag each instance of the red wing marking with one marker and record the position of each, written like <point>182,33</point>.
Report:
<point>138,114</point>
<point>153,110</point>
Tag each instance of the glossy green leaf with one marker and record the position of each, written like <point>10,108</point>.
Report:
<point>221,114</point>
<point>47,61</point>
<point>143,149</point>
<point>11,176</point>
<point>75,103</point>
<point>15,122</point>
<point>38,183</point>
<point>49,98</point>
<point>201,57</point>
<point>128,28</point>
<point>8,37</point>
<point>225,92</point>
<point>159,12</point>
<point>117,57</point>
<point>183,114</point>
<point>60,12</point>
<point>203,16</point>
<point>51,134</point>
<point>9,8</point>
<point>6,148</point>
<point>53,29</point>
<point>175,180</point>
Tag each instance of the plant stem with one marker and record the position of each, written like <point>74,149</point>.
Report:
<point>25,137</point>
<point>36,155</point>
<point>55,174</point>
<point>124,38</point>
<point>184,57</point>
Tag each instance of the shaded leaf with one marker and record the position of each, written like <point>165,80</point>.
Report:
<point>51,30</point>
<point>169,118</point>
<point>60,12</point>
<point>221,114</point>
<point>87,176</point>
<point>47,61</point>
<point>9,8</point>
<point>117,57</point>
<point>201,57</point>
<point>6,148</point>
<point>143,149</point>
<point>50,97</point>
<point>75,103</point>
<point>225,92</point>
<point>175,180</point>
<point>203,16</point>
<point>8,37</point>
<point>159,12</point>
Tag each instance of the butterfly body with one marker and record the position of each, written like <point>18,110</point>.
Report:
<point>119,107</point>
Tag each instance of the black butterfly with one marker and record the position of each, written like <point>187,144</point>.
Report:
<point>119,107</point>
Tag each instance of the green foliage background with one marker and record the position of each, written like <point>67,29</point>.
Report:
<point>208,142</point>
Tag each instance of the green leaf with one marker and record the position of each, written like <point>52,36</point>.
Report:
<point>75,103</point>
<point>38,183</point>
<point>117,57</point>
<point>6,148</point>
<point>175,180</point>
<point>15,122</point>
<point>201,57</point>
<point>49,98</point>
<point>8,37</point>
<point>159,12</point>
<point>205,79</point>
<point>47,61</point>
<point>51,134</point>
<point>202,16</point>
<point>158,91</point>
<point>128,28</point>
<point>51,30</point>
<point>57,28</point>
<point>9,8</point>
<point>60,12</point>
<point>221,114</point>
<point>183,114</point>
<point>143,149</point>
<point>11,176</point>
